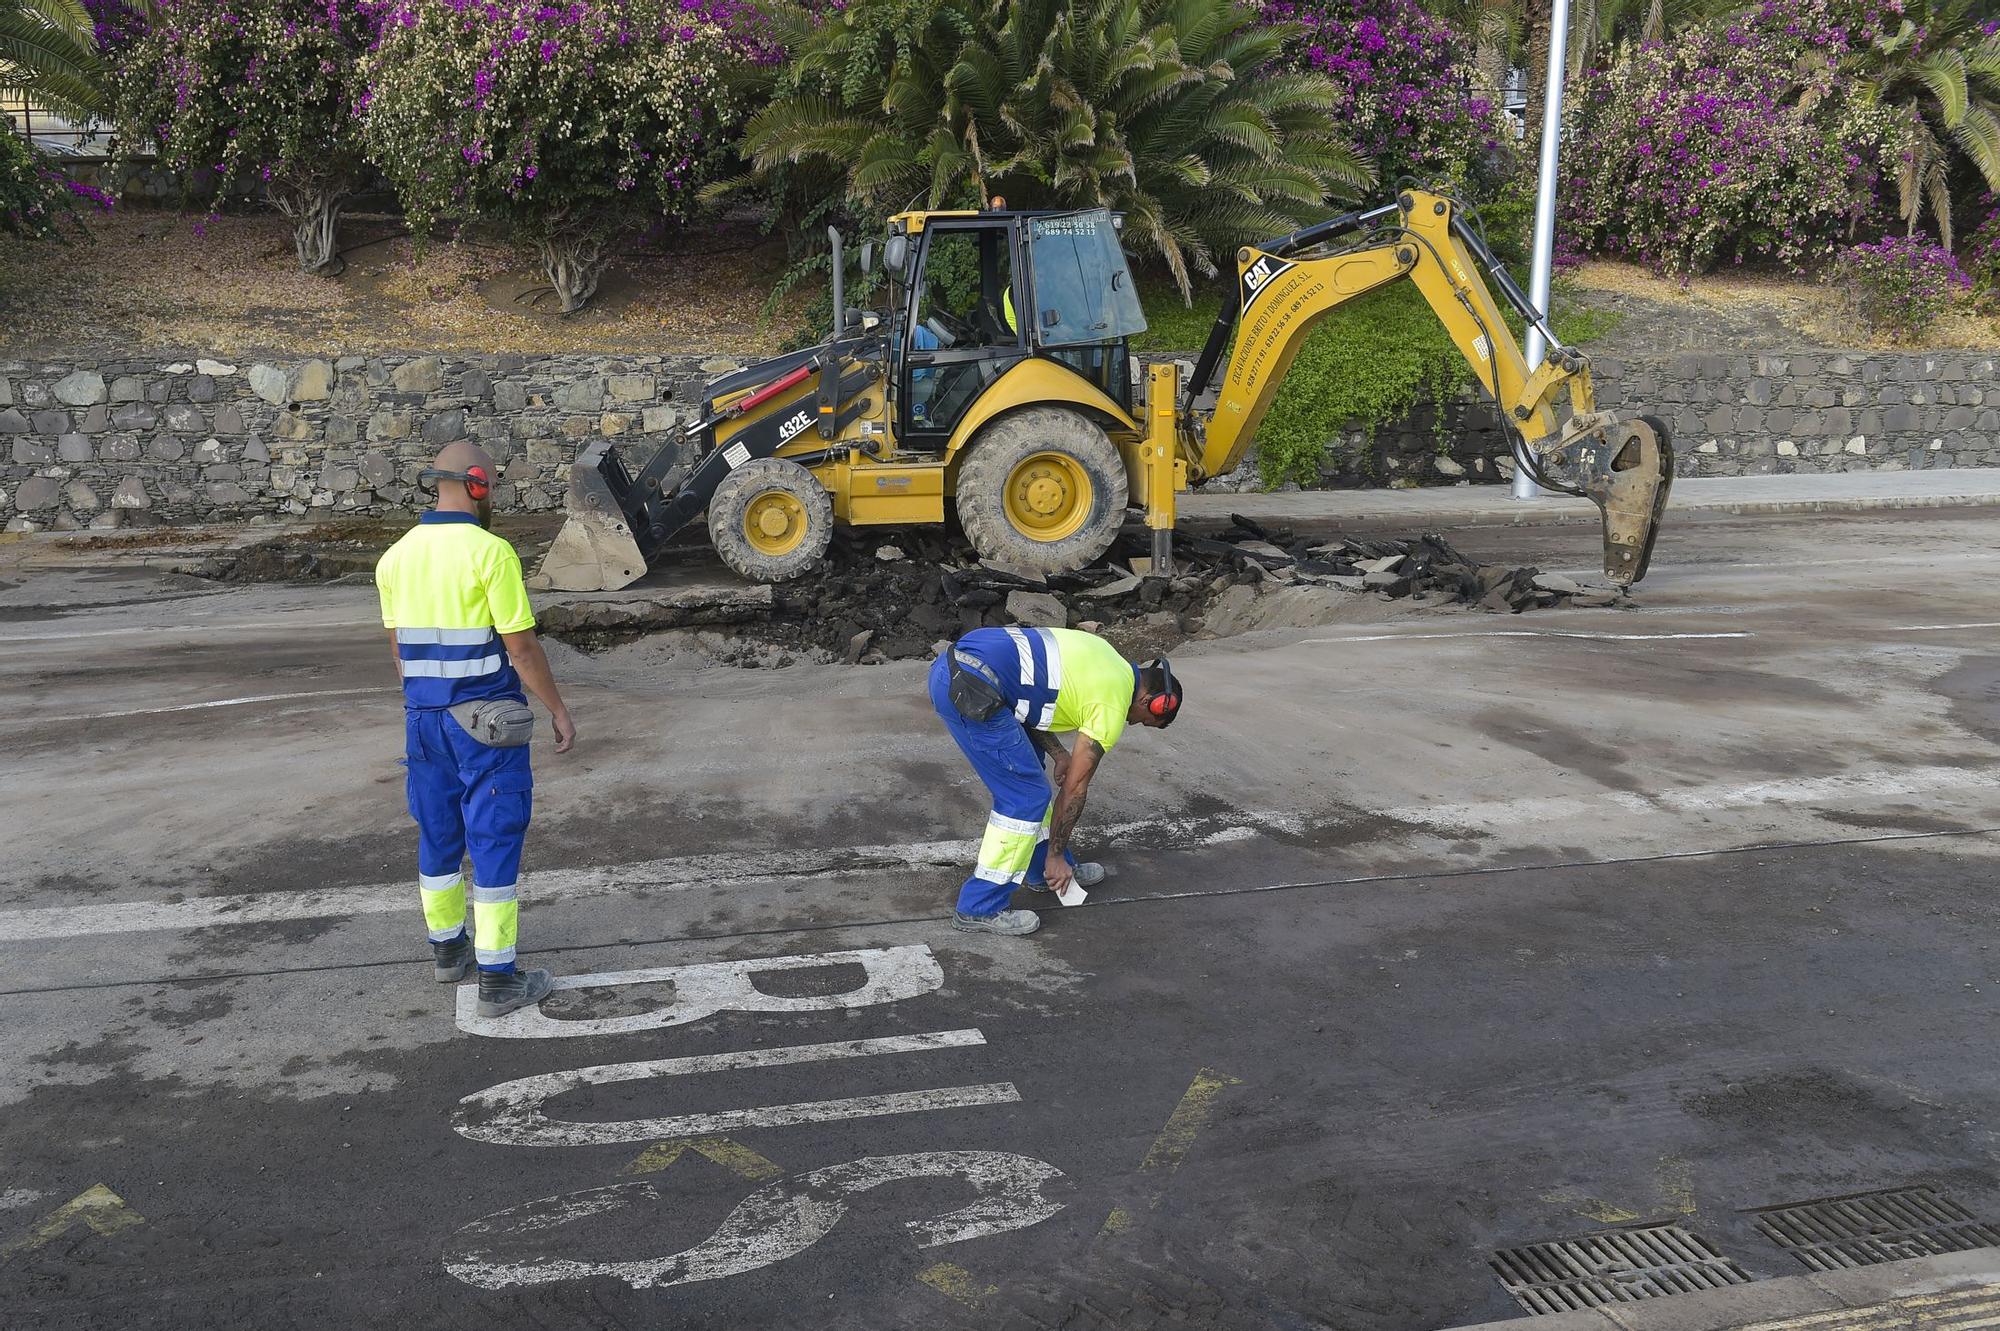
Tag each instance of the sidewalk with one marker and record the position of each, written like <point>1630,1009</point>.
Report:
<point>1460,505</point>
<point>1944,1293</point>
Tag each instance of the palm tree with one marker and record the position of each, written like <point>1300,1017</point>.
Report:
<point>1941,68</point>
<point>48,56</point>
<point>1163,110</point>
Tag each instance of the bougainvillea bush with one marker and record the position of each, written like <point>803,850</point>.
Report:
<point>263,91</point>
<point>1899,285</point>
<point>1981,260</point>
<point>1734,142</point>
<point>571,122</point>
<point>1407,89</point>
<point>38,202</point>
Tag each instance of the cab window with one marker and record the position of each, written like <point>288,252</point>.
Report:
<point>1083,290</point>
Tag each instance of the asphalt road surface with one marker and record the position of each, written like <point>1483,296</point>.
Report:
<point>1431,933</point>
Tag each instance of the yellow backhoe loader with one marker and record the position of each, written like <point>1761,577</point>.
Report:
<point>1038,430</point>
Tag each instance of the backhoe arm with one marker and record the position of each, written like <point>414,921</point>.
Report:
<point>1290,284</point>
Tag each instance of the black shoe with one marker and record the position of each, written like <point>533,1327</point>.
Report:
<point>451,960</point>
<point>500,992</point>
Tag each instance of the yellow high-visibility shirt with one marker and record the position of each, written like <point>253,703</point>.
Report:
<point>449,589</point>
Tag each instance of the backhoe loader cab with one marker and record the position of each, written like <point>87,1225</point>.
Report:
<point>998,380</point>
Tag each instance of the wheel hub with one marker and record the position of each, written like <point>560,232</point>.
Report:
<point>1049,496</point>
<point>775,523</point>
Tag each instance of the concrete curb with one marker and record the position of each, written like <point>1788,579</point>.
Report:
<point>1954,1288</point>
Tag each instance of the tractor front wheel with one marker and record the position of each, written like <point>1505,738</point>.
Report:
<point>770,520</point>
<point>1042,489</point>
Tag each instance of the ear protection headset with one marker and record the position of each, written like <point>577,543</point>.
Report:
<point>1165,704</point>
<point>474,478</point>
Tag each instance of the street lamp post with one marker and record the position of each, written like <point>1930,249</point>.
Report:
<point>1545,208</point>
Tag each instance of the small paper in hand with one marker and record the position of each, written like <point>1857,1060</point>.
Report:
<point>1072,895</point>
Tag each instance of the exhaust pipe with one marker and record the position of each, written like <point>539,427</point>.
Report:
<point>839,284</point>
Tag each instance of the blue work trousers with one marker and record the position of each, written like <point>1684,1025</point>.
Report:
<point>1016,844</point>
<point>468,799</point>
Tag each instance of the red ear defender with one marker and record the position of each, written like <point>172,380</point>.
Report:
<point>1166,704</point>
<point>476,483</point>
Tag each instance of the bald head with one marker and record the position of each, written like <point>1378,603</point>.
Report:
<point>452,496</point>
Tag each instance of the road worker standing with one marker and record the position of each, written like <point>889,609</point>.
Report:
<point>457,613</point>
<point>1005,694</point>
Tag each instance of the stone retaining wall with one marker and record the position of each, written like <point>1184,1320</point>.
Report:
<point>98,441</point>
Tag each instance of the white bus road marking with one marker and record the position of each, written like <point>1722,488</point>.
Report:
<point>777,1221</point>
<point>511,1113</point>
<point>1529,633</point>
<point>671,874</point>
<point>889,975</point>
<point>292,627</point>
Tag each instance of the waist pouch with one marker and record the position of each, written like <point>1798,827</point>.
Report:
<point>499,723</point>
<point>974,691</point>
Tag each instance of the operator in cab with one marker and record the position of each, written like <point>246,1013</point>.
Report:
<point>1005,694</point>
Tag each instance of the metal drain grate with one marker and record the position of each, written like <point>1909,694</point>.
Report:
<point>1874,1227</point>
<point>1622,1266</point>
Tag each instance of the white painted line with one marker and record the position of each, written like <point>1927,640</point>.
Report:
<point>388,693</point>
<point>1937,628</point>
<point>779,1220</point>
<point>511,1113</point>
<point>1418,634</point>
<point>889,975</point>
<point>292,627</point>
<point>673,874</point>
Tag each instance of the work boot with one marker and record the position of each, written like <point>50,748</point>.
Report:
<point>1089,873</point>
<point>451,961</point>
<point>1013,922</point>
<point>500,992</point>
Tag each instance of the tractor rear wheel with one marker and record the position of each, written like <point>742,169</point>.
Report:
<point>1042,489</point>
<point>770,520</point>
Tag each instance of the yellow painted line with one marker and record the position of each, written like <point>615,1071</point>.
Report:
<point>731,1155</point>
<point>956,1282</point>
<point>98,1207</point>
<point>1591,1208</point>
<point>1676,1181</point>
<point>1190,1116</point>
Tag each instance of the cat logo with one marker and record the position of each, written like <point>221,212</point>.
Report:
<point>794,426</point>
<point>1260,274</point>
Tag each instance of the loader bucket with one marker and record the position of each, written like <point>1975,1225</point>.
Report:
<point>595,550</point>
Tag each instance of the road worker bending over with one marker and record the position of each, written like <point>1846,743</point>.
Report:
<point>457,613</point>
<point>1005,694</point>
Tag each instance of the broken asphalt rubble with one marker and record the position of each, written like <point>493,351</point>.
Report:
<point>872,601</point>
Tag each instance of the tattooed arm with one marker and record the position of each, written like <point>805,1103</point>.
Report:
<point>1053,751</point>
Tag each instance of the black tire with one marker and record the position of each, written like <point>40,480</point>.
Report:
<point>1050,458</point>
<point>792,516</point>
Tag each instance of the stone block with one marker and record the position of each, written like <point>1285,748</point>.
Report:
<point>581,395</point>
<point>6,394</point>
<point>79,388</point>
<point>32,453</point>
<point>13,422</point>
<point>475,386</point>
<point>339,477</point>
<point>720,365</point>
<point>343,430</point>
<point>1901,419</point>
<point>254,450</point>
<point>37,492</point>
<point>119,448</point>
<point>1787,449</point>
<point>215,369</point>
<point>521,470</point>
<point>377,471</point>
<point>444,427</point>
<point>135,416</point>
<point>349,364</point>
<point>224,493</point>
<point>158,391</point>
<point>576,427</point>
<point>57,422</point>
<point>268,382</point>
<point>311,381</point>
<point>657,420</point>
<point>74,448</point>
<point>1857,445</point>
<point>208,451</point>
<point>183,418</point>
<point>1037,609</point>
<point>632,387</point>
<point>131,493</point>
<point>228,420</point>
<point>295,426</point>
<point>545,453</point>
<point>166,448</point>
<point>1758,393</point>
<point>389,425</point>
<point>126,388</point>
<point>422,375</point>
<point>222,471</point>
<point>95,421</point>
<point>1960,418</point>
<point>509,397</point>
<point>614,423</point>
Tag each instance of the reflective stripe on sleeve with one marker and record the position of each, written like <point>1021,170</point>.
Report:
<point>1047,718</point>
<point>1027,655</point>
<point>1053,660</point>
